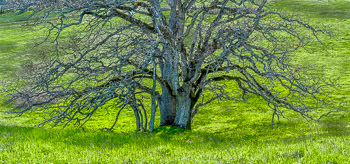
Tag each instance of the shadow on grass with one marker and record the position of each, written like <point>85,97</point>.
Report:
<point>254,134</point>
<point>7,46</point>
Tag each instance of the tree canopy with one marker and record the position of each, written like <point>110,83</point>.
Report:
<point>165,55</point>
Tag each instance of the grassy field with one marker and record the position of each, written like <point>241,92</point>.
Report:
<point>223,132</point>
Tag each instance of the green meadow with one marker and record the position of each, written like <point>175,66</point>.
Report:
<point>222,132</point>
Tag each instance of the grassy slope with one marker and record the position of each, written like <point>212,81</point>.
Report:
<point>223,132</point>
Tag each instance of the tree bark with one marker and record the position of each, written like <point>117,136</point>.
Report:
<point>167,101</point>
<point>167,107</point>
<point>137,117</point>
<point>153,106</point>
<point>183,108</point>
<point>153,113</point>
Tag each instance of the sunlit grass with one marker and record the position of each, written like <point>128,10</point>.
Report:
<point>223,132</point>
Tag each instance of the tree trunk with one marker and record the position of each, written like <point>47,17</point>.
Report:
<point>167,107</point>
<point>153,106</point>
<point>183,108</point>
<point>153,113</point>
<point>137,117</point>
<point>167,101</point>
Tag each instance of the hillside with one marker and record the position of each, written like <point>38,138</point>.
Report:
<point>223,132</point>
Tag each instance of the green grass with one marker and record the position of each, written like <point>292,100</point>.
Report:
<point>223,132</point>
<point>242,141</point>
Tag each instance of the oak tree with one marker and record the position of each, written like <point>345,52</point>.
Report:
<point>119,52</point>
